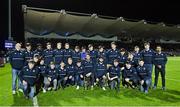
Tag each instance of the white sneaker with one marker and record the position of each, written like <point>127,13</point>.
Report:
<point>49,88</point>
<point>13,92</point>
<point>77,88</point>
<point>20,90</point>
<point>104,88</point>
<point>44,91</point>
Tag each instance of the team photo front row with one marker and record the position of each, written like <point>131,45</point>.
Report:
<point>54,69</point>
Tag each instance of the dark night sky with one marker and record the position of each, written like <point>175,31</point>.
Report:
<point>150,10</point>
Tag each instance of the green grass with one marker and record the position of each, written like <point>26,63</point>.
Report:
<point>97,97</point>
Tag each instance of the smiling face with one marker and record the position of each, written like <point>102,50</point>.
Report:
<point>59,45</point>
<point>70,61</point>
<point>141,63</point>
<point>52,66</point>
<point>113,46</point>
<point>31,65</point>
<point>66,46</point>
<point>18,46</point>
<point>158,49</point>
<point>62,64</point>
<point>48,46</point>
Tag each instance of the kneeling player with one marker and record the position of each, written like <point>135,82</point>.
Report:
<point>70,72</point>
<point>114,76</point>
<point>100,73</point>
<point>130,75</point>
<point>50,78</point>
<point>62,75</point>
<point>29,76</point>
<point>79,74</point>
<point>144,77</point>
<point>88,72</point>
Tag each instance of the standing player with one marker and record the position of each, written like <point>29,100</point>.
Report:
<point>160,61</point>
<point>112,54</point>
<point>83,53</point>
<point>28,53</point>
<point>48,54</point>
<point>148,56</point>
<point>58,54</point>
<point>92,53</point>
<point>102,52</point>
<point>17,60</point>
<point>67,53</point>
<point>137,55</point>
<point>76,55</point>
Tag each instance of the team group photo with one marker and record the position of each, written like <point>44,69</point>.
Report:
<point>55,54</point>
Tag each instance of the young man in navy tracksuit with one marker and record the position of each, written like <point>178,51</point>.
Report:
<point>131,60</point>
<point>122,60</point>
<point>144,76</point>
<point>58,54</point>
<point>113,75</point>
<point>67,53</point>
<point>137,55</point>
<point>79,74</point>
<point>17,60</point>
<point>112,54</point>
<point>50,77</point>
<point>39,50</point>
<point>102,52</point>
<point>76,55</point>
<point>70,72</point>
<point>88,72</point>
<point>100,72</point>
<point>148,56</point>
<point>62,75</point>
<point>130,75</point>
<point>160,60</point>
<point>42,70</point>
<point>29,76</point>
<point>28,53</point>
<point>93,53</point>
<point>48,54</point>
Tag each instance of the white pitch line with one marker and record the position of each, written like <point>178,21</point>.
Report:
<point>35,102</point>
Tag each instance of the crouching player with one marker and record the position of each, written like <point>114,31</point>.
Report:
<point>79,74</point>
<point>130,76</point>
<point>50,78</point>
<point>88,72</point>
<point>70,72</point>
<point>101,72</point>
<point>114,76</point>
<point>29,76</point>
<point>62,75</point>
<point>144,77</point>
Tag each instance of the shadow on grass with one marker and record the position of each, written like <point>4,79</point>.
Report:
<point>70,96</point>
<point>19,100</point>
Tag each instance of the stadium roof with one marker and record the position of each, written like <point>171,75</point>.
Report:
<point>60,23</point>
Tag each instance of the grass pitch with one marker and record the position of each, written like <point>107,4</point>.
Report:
<point>72,97</point>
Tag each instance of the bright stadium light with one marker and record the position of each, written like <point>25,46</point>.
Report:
<point>94,15</point>
<point>121,18</point>
<point>63,12</point>
<point>144,21</point>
